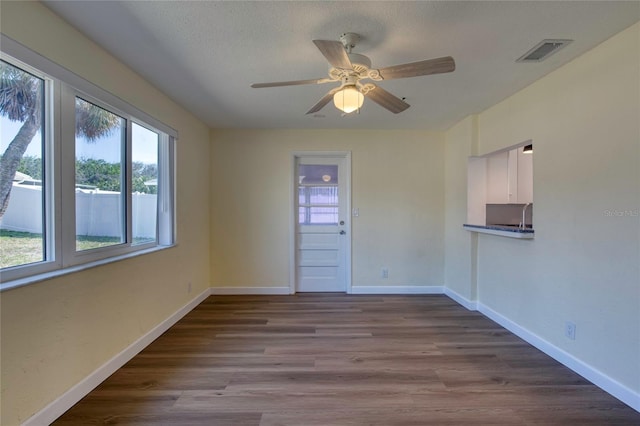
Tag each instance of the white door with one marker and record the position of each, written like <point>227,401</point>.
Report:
<point>321,223</point>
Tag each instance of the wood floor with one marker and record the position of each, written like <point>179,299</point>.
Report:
<point>333,359</point>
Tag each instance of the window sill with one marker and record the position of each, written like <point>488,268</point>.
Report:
<point>33,279</point>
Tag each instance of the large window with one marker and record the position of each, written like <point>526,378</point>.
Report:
<point>84,177</point>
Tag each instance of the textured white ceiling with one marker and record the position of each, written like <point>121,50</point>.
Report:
<point>205,54</point>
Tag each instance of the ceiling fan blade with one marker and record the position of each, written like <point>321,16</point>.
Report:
<point>414,69</point>
<point>335,53</point>
<point>386,99</point>
<point>324,101</point>
<point>291,83</point>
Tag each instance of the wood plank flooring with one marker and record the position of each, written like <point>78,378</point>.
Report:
<point>335,359</point>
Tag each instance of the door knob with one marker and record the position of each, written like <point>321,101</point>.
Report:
<point>343,232</point>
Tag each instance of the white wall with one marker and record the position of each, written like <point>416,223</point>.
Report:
<point>583,265</point>
<point>58,331</point>
<point>397,183</point>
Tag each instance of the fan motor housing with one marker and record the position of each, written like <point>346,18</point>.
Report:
<point>359,60</point>
<point>361,65</point>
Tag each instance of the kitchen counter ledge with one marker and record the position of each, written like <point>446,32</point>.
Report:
<point>503,231</point>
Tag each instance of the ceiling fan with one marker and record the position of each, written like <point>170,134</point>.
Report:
<point>349,69</point>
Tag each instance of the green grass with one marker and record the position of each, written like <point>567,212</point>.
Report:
<point>21,248</point>
<point>84,242</point>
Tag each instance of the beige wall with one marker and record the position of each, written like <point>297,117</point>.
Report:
<point>397,183</point>
<point>583,265</point>
<point>56,332</point>
<point>459,244</point>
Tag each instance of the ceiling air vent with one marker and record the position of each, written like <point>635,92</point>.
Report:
<point>543,50</point>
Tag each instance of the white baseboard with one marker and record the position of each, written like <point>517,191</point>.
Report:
<point>67,400</point>
<point>471,305</point>
<point>410,289</point>
<point>606,383</point>
<point>400,289</point>
<point>249,290</point>
<point>406,289</point>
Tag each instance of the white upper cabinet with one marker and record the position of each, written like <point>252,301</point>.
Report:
<point>510,177</point>
<point>498,178</point>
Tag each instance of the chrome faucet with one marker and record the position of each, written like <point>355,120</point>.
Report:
<point>524,211</point>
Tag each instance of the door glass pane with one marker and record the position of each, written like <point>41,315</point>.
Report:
<point>100,144</point>
<point>318,194</point>
<point>318,215</point>
<point>22,211</point>
<point>144,154</point>
<point>318,174</point>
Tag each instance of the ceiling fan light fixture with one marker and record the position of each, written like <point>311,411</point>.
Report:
<point>348,69</point>
<point>348,100</point>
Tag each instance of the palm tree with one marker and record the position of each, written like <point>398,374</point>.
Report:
<point>21,99</point>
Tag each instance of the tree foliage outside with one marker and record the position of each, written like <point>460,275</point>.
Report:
<point>31,166</point>
<point>99,173</point>
<point>144,173</point>
<point>22,100</point>
<point>106,176</point>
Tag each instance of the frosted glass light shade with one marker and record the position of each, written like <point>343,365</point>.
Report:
<point>348,99</point>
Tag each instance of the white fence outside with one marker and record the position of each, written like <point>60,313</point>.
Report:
<point>97,212</point>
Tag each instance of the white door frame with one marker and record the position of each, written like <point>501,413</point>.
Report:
<point>293,217</point>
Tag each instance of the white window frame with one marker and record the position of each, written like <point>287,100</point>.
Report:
<point>61,88</point>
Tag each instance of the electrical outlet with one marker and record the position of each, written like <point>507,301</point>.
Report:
<point>189,287</point>
<point>570,330</point>
<point>384,273</point>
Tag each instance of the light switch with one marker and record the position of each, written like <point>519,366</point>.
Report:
<point>356,212</point>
